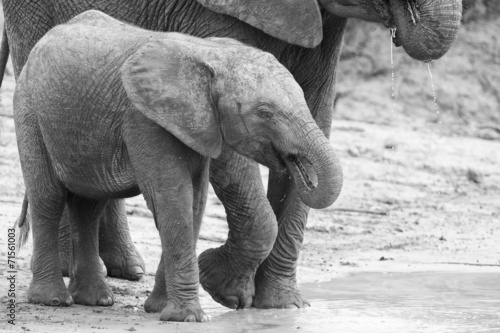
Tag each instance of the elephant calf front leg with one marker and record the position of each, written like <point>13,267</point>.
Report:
<point>166,173</point>
<point>178,269</point>
<point>157,300</point>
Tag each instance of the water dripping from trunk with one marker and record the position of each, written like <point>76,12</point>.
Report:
<point>389,178</point>
<point>434,95</point>
<point>393,85</point>
<point>437,133</point>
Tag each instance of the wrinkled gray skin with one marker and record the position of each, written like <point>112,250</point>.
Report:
<point>305,36</point>
<point>164,104</point>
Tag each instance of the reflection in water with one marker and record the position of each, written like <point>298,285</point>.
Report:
<point>374,302</point>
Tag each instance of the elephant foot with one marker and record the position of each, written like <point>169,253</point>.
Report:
<point>123,262</point>
<point>273,292</point>
<point>156,301</point>
<point>188,312</point>
<point>52,294</point>
<point>92,292</point>
<point>228,284</point>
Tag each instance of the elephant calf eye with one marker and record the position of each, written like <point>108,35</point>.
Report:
<point>264,112</point>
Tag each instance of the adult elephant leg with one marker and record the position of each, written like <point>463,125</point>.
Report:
<point>116,248</point>
<point>227,273</point>
<point>275,282</point>
<point>87,282</point>
<point>119,257</point>
<point>64,243</point>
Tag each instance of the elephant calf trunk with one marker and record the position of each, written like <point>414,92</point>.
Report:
<point>318,175</point>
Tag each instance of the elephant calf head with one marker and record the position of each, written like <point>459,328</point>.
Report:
<point>207,92</point>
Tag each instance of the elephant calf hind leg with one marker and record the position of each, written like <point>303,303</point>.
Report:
<point>47,286</point>
<point>87,285</point>
<point>46,199</point>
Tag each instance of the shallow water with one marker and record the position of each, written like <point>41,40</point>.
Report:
<point>375,302</point>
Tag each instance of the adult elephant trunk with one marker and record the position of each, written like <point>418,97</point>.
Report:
<point>426,28</point>
<point>316,171</point>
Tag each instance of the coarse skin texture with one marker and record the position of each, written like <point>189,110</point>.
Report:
<point>425,28</point>
<point>100,83</point>
<point>235,179</point>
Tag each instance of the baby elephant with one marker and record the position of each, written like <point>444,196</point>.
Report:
<point>106,110</point>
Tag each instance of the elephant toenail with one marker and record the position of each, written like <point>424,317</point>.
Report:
<point>136,272</point>
<point>248,303</point>
<point>204,318</point>
<point>105,301</point>
<point>231,302</point>
<point>190,319</point>
<point>69,300</point>
<point>55,302</point>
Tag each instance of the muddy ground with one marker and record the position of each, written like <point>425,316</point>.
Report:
<point>421,193</point>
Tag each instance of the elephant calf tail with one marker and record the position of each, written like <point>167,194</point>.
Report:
<point>23,222</point>
<point>4,55</point>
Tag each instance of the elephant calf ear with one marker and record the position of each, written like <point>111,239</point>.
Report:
<point>170,86</point>
<point>294,21</point>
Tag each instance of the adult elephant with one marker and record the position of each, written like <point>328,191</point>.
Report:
<point>306,36</point>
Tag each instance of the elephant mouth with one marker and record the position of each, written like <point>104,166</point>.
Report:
<point>276,162</point>
<point>413,16</point>
<point>301,168</point>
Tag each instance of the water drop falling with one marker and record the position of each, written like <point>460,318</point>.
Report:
<point>436,137</point>
<point>393,87</point>
<point>436,107</point>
